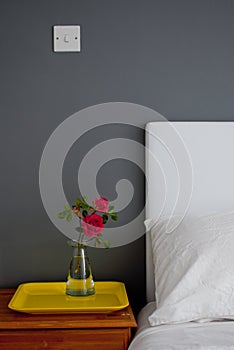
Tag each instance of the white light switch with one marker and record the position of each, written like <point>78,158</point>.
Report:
<point>66,38</point>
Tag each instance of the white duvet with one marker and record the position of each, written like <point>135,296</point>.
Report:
<point>217,335</point>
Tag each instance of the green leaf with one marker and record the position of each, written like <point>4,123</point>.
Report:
<point>84,206</point>
<point>106,244</point>
<point>62,215</point>
<point>98,241</point>
<point>78,201</point>
<point>85,199</point>
<point>79,229</point>
<point>67,207</point>
<point>69,216</point>
<point>84,213</point>
<point>114,216</point>
<point>105,218</point>
<point>83,203</point>
<point>111,207</point>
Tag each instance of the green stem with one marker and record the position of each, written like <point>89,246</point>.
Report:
<point>80,235</point>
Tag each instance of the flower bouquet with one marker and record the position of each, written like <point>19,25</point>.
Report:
<point>92,220</point>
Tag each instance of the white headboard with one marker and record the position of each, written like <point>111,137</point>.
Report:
<point>189,169</point>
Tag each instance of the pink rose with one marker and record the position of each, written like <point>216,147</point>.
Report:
<point>101,204</point>
<point>93,225</point>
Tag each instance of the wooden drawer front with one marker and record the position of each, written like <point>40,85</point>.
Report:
<point>85,339</point>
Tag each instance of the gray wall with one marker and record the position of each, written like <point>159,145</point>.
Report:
<point>176,57</point>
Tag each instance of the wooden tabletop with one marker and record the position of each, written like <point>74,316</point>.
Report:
<point>10,319</point>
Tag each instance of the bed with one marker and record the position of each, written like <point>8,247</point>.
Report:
<point>190,237</point>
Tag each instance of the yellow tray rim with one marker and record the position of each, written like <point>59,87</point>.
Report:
<point>110,287</point>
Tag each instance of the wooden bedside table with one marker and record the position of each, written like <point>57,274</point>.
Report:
<point>18,331</point>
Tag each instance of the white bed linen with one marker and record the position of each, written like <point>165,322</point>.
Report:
<point>217,335</point>
<point>194,268</point>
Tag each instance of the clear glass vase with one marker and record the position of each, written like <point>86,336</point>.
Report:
<point>80,279</point>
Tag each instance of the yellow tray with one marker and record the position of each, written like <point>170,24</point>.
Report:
<point>50,297</point>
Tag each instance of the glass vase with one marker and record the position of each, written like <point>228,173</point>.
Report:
<point>80,279</point>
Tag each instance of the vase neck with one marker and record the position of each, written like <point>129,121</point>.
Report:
<point>76,244</point>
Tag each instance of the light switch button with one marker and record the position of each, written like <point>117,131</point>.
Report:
<point>66,38</point>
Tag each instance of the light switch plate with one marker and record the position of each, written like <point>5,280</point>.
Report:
<point>67,38</point>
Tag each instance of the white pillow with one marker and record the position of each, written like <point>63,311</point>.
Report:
<point>194,269</point>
